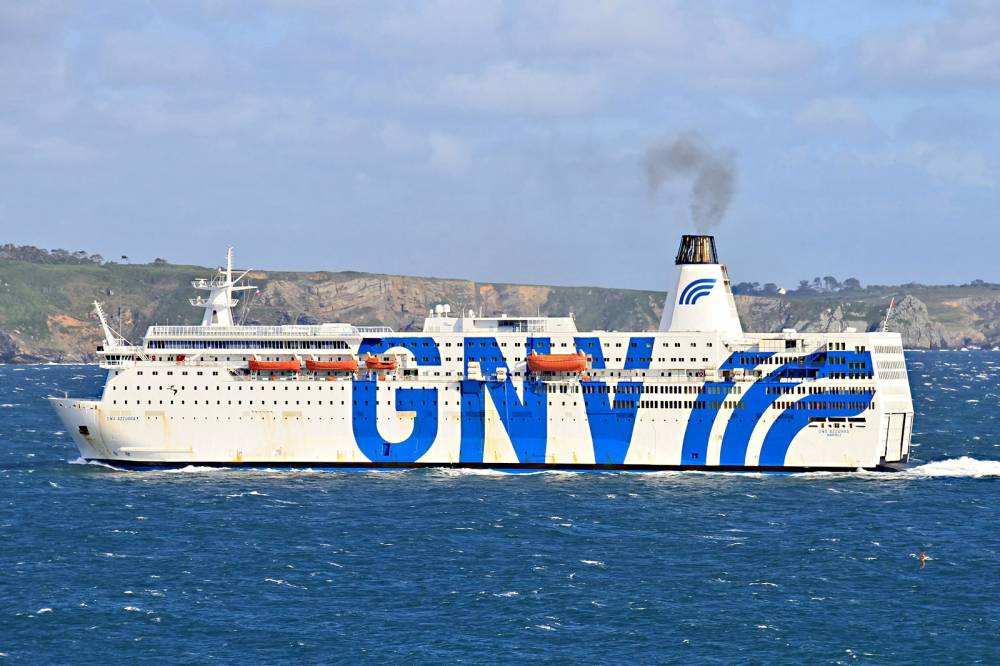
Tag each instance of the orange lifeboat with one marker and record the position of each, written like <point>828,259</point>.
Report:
<point>344,365</point>
<point>557,362</point>
<point>376,363</point>
<point>291,365</point>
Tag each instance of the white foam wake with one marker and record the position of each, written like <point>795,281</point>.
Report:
<point>82,461</point>
<point>469,471</point>
<point>964,466</point>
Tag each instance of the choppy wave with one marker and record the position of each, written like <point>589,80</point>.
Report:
<point>189,469</point>
<point>83,461</point>
<point>466,471</point>
<point>964,466</point>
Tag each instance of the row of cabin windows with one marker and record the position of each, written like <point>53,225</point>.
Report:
<point>840,360</point>
<point>247,344</point>
<point>589,388</point>
<point>199,373</point>
<point>479,359</point>
<point>413,372</point>
<point>752,360</point>
<point>812,390</point>
<point>644,389</point>
<point>617,404</point>
<point>341,344</point>
<point>823,406</point>
<point>842,346</point>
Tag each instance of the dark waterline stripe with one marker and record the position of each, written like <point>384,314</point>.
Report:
<point>512,467</point>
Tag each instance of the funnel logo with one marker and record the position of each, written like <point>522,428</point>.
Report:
<point>695,290</point>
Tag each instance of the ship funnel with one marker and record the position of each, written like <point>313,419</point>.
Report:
<point>697,250</point>
<point>703,298</point>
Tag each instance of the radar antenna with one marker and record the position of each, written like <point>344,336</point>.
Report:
<point>220,302</point>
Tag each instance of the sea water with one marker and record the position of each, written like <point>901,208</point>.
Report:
<point>201,565</point>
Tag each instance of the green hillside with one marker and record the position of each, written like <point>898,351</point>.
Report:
<point>46,306</point>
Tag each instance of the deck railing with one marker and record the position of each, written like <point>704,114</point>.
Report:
<point>240,332</point>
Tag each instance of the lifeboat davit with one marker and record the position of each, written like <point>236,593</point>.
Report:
<point>291,365</point>
<point>344,365</point>
<point>376,363</point>
<point>557,362</point>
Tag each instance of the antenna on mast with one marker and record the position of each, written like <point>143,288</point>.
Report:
<point>220,302</point>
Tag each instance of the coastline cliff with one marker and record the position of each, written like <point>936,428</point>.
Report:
<point>46,313</point>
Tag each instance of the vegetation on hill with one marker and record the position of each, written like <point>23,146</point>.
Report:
<point>46,311</point>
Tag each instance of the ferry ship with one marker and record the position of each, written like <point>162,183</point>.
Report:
<point>500,392</point>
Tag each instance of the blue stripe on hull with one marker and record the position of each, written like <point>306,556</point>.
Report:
<point>611,424</point>
<point>792,421</point>
<point>694,450</point>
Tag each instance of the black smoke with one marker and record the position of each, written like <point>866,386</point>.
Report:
<point>710,173</point>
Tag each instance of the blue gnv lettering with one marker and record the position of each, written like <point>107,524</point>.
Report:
<point>525,418</point>
<point>422,401</point>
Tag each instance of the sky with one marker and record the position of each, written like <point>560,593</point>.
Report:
<point>505,140</point>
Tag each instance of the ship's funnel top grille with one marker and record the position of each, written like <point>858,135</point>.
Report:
<point>697,250</point>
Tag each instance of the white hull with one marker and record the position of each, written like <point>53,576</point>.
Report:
<point>501,391</point>
<point>323,435</point>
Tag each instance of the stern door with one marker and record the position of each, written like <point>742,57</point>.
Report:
<point>894,437</point>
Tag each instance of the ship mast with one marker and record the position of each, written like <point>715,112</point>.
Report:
<point>888,313</point>
<point>111,337</point>
<point>220,302</point>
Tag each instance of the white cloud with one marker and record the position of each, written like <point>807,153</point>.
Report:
<point>398,138</point>
<point>159,113</point>
<point>17,145</point>
<point>953,122</point>
<point>734,46</point>
<point>148,59</point>
<point>962,48</point>
<point>516,89</point>
<point>947,165</point>
<point>713,47</point>
<point>447,22</point>
<point>448,153</point>
<point>844,117</point>
<point>952,165</point>
<point>604,26</point>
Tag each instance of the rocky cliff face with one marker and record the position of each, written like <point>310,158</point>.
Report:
<point>14,350</point>
<point>911,319</point>
<point>9,349</point>
<point>763,313</point>
<point>403,302</point>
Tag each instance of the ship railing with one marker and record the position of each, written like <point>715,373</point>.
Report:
<point>200,302</point>
<point>117,362</point>
<point>209,283</point>
<point>287,331</point>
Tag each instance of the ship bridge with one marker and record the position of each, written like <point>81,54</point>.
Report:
<point>440,321</point>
